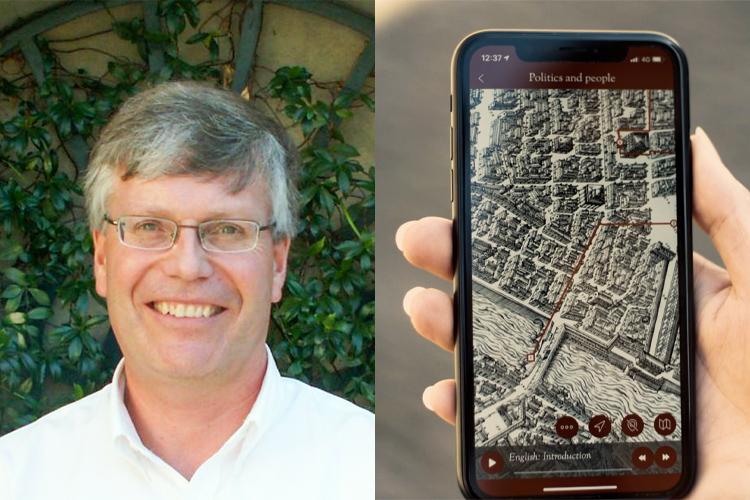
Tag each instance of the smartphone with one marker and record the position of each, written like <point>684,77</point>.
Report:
<point>573,304</point>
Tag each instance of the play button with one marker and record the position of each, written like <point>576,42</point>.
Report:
<point>492,462</point>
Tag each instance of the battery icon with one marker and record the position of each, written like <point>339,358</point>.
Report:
<point>656,59</point>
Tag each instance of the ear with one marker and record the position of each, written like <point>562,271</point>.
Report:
<point>280,254</point>
<point>100,262</point>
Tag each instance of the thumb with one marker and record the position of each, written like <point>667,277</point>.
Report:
<point>721,206</point>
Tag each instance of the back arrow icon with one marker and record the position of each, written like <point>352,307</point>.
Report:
<point>480,78</point>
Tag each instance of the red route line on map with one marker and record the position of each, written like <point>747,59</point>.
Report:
<point>648,119</point>
<point>651,152</point>
<point>532,356</point>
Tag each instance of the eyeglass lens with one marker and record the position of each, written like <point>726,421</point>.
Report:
<point>220,235</point>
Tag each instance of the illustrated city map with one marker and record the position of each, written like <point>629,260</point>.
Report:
<point>575,281</point>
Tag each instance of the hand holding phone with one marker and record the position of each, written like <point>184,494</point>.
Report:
<point>723,379</point>
<point>573,280</point>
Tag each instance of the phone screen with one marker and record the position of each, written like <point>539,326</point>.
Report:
<point>575,272</point>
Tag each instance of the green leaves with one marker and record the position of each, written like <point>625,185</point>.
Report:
<point>74,349</point>
<point>131,30</point>
<point>40,313</point>
<point>292,84</point>
<point>177,12</point>
<point>26,386</point>
<point>324,327</point>
<point>45,246</point>
<point>52,323</point>
<point>15,275</point>
<point>44,255</point>
<point>23,130</point>
<point>12,292</point>
<point>78,391</point>
<point>208,40</point>
<point>40,296</point>
<point>16,318</point>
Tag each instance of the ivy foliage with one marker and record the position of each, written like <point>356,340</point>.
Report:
<point>55,341</point>
<point>325,327</point>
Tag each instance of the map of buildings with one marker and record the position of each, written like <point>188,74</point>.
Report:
<point>575,283</point>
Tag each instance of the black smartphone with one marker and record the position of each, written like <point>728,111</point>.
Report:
<point>574,315</point>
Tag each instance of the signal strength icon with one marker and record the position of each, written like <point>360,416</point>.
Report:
<point>634,60</point>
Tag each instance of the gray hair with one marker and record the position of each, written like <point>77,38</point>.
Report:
<point>179,128</point>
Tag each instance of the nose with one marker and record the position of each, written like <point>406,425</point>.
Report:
<point>187,260</point>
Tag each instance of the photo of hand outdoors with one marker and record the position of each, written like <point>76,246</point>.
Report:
<point>416,454</point>
<point>187,249</point>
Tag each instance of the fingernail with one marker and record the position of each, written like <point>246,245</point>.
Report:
<point>408,298</point>
<point>699,131</point>
<point>400,234</point>
<point>426,399</point>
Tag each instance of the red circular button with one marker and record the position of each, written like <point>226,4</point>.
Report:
<point>665,457</point>
<point>632,425</point>
<point>566,427</point>
<point>600,426</point>
<point>642,458</point>
<point>492,462</point>
<point>665,424</point>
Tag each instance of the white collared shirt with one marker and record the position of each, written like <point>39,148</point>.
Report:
<point>296,442</point>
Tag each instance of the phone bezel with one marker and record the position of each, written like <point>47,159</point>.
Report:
<point>462,238</point>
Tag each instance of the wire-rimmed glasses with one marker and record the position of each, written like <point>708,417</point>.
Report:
<point>156,233</point>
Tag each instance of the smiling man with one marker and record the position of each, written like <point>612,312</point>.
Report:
<point>191,200</point>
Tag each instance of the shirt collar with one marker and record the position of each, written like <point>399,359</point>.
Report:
<point>122,424</point>
<point>260,417</point>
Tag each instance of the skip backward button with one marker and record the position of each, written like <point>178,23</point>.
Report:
<point>642,458</point>
<point>492,462</point>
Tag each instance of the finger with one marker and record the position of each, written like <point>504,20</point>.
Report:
<point>712,287</point>
<point>431,314</point>
<point>427,244</point>
<point>441,399</point>
<point>709,280</point>
<point>720,206</point>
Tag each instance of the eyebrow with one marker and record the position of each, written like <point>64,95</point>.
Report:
<point>165,213</point>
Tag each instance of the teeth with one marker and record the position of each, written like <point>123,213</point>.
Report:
<point>186,310</point>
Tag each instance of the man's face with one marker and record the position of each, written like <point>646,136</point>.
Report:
<point>239,287</point>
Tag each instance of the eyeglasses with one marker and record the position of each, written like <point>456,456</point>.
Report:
<point>155,233</point>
